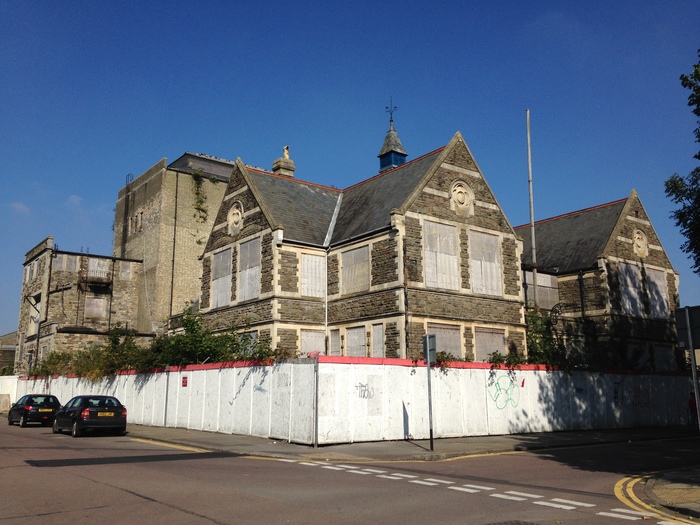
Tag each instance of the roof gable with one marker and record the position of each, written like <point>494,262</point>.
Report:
<point>573,241</point>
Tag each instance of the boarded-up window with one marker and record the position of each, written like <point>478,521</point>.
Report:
<point>221,278</point>
<point>125,271</point>
<point>658,294</point>
<point>441,256</point>
<point>65,262</point>
<point>356,342</point>
<point>356,270</point>
<point>312,341</point>
<point>98,268</point>
<point>547,290</point>
<point>95,307</point>
<point>377,340</point>
<point>313,275</point>
<point>631,294</point>
<point>664,359</point>
<point>447,339</point>
<point>34,315</point>
<point>335,342</point>
<point>488,341</point>
<point>485,262</point>
<point>249,270</point>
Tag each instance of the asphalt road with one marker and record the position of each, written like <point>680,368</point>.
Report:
<point>47,478</point>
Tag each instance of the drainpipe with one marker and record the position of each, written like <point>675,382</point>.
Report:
<point>172,265</point>
<point>581,293</point>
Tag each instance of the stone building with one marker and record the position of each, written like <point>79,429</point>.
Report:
<point>608,283</point>
<point>163,218</point>
<point>72,300</point>
<point>422,247</point>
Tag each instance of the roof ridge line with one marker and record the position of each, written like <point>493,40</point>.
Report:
<point>569,214</point>
<point>292,179</point>
<point>381,174</point>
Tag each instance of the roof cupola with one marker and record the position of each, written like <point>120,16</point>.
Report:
<point>392,153</point>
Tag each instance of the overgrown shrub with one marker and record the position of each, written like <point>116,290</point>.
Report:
<point>193,345</point>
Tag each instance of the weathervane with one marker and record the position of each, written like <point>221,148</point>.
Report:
<point>390,109</point>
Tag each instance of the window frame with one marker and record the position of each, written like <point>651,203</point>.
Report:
<point>441,255</point>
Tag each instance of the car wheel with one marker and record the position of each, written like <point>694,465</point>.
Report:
<point>9,420</point>
<point>75,431</point>
<point>55,428</point>
<point>22,421</point>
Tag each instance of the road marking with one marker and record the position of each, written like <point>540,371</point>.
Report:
<point>440,481</point>
<point>464,489</point>
<point>571,502</point>
<point>170,445</point>
<point>506,496</point>
<point>634,512</point>
<point>555,505</point>
<point>374,471</point>
<point>478,487</point>
<point>624,491</point>
<point>308,464</point>
<point>387,476</point>
<point>421,482</point>
<point>525,494</point>
<point>621,516</point>
<point>287,460</point>
<point>331,467</point>
<point>408,476</point>
<point>359,472</point>
<point>351,467</point>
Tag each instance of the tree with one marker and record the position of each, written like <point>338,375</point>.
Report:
<point>685,191</point>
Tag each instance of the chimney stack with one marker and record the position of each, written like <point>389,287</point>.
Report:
<point>284,165</point>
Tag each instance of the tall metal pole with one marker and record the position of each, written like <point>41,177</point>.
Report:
<point>532,211</point>
<point>430,405</point>
<point>693,364</point>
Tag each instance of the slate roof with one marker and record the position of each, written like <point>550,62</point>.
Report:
<point>392,142</point>
<point>305,210</point>
<point>571,242</point>
<point>208,165</point>
<point>366,207</point>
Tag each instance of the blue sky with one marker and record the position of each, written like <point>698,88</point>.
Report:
<point>92,91</point>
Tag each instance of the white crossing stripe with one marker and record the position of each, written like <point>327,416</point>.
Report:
<point>331,467</point>
<point>359,472</point>
<point>348,466</point>
<point>386,476</point>
<point>404,476</point>
<point>308,464</point>
<point>421,482</point>
<point>506,496</point>
<point>668,522</point>
<point>621,516</point>
<point>464,489</point>
<point>555,505</point>
<point>525,494</point>
<point>478,487</point>
<point>571,502</point>
<point>374,471</point>
<point>287,460</point>
<point>634,512</point>
<point>440,481</point>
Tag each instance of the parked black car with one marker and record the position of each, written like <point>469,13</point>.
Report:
<point>33,408</point>
<point>91,413</point>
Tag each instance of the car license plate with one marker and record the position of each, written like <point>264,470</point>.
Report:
<point>105,414</point>
<point>46,410</point>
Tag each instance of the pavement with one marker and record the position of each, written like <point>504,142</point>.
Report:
<point>676,490</point>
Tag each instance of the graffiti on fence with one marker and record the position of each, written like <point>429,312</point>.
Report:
<point>503,391</point>
<point>364,391</point>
